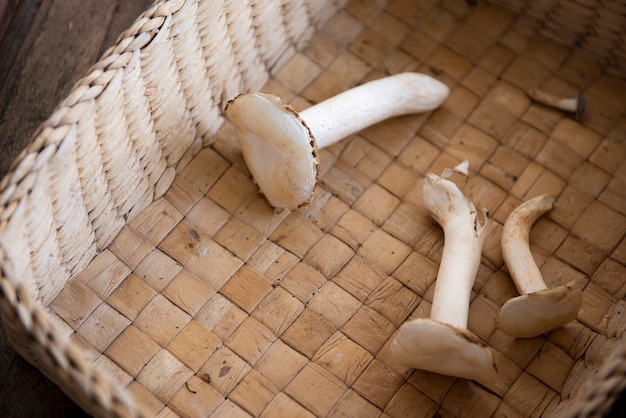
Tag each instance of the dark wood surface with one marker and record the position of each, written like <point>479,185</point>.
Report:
<point>46,47</point>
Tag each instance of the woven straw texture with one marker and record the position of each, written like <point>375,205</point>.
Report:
<point>595,27</point>
<point>143,273</point>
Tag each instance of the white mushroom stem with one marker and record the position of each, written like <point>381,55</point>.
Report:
<point>576,105</point>
<point>442,344</point>
<point>515,243</point>
<point>464,240</point>
<point>538,310</point>
<point>368,104</point>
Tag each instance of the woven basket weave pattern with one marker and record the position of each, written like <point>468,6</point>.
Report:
<point>596,27</point>
<point>143,273</point>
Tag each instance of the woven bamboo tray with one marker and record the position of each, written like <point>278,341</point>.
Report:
<point>144,274</point>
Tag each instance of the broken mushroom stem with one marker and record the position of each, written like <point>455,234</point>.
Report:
<point>443,344</point>
<point>464,238</point>
<point>576,105</point>
<point>538,310</point>
<point>280,146</point>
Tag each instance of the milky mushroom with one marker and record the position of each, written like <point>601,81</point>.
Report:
<point>443,344</point>
<point>538,310</point>
<point>576,105</point>
<point>280,146</point>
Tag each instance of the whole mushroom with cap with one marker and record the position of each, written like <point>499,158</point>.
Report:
<point>280,146</point>
<point>443,344</point>
<point>538,310</point>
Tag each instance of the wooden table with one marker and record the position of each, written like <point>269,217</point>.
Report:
<point>46,46</point>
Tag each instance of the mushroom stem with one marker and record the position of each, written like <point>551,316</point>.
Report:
<point>516,246</point>
<point>464,238</point>
<point>576,105</point>
<point>442,344</point>
<point>538,310</point>
<point>370,103</point>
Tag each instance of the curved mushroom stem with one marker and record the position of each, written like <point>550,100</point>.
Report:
<point>368,104</point>
<point>516,246</point>
<point>464,239</point>
<point>538,310</point>
<point>442,344</point>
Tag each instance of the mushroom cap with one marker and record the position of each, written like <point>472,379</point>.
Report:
<point>437,347</point>
<point>278,148</point>
<point>540,312</point>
